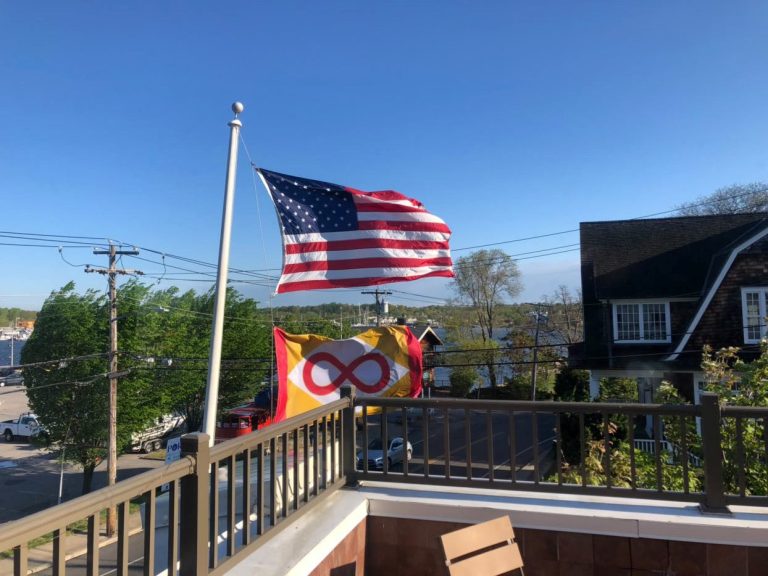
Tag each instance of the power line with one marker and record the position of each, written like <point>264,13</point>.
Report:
<point>537,237</point>
<point>267,279</point>
<point>88,380</point>
<point>56,361</point>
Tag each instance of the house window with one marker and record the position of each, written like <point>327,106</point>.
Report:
<point>641,322</point>
<point>753,312</point>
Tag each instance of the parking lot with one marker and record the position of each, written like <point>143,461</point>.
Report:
<point>30,477</point>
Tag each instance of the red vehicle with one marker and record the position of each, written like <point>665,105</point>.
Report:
<point>241,421</point>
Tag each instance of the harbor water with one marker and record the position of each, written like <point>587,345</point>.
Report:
<point>5,352</point>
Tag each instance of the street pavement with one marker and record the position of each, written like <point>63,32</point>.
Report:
<point>30,476</point>
<point>487,436</point>
<point>31,479</point>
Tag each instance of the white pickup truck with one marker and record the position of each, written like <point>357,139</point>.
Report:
<point>26,426</point>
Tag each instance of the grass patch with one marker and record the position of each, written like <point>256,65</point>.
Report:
<point>156,455</point>
<point>79,527</point>
<point>34,543</point>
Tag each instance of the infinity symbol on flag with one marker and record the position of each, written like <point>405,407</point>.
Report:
<point>346,372</point>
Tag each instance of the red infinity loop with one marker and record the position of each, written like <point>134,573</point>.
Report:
<point>346,372</point>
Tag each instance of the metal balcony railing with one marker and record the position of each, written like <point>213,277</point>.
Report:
<point>221,503</point>
<point>574,447</point>
<point>218,501</point>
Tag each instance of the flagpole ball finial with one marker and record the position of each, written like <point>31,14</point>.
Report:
<point>237,107</point>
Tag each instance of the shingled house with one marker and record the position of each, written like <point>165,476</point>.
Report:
<point>656,291</point>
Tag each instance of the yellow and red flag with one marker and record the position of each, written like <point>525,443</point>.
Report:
<point>311,369</point>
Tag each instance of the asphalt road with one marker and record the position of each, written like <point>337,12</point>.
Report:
<point>479,444</point>
<point>30,476</point>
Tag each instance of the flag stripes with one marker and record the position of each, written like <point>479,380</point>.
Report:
<point>340,237</point>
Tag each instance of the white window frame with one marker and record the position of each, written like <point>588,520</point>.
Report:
<point>762,310</point>
<point>639,304</point>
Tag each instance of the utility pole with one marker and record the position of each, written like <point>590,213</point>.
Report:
<point>379,302</point>
<point>112,271</point>
<point>537,314</point>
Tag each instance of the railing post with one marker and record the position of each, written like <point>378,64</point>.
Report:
<point>714,491</point>
<point>195,507</point>
<point>348,422</point>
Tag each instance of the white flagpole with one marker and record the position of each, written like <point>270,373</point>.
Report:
<point>217,330</point>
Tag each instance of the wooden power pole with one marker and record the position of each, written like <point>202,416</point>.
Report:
<point>112,271</point>
<point>379,302</point>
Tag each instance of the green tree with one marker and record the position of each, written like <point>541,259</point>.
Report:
<point>469,359</point>
<point>572,385</point>
<point>71,397</point>
<point>483,279</point>
<point>463,378</point>
<point>8,316</point>
<point>519,387</point>
<point>596,469</point>
<point>739,383</point>
<point>163,339</point>
<point>618,390</point>
<point>179,343</point>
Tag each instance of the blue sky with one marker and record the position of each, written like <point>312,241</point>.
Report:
<point>507,119</point>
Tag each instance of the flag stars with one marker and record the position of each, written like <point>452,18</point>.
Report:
<point>306,206</point>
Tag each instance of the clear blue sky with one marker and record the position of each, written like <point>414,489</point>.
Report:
<point>507,119</point>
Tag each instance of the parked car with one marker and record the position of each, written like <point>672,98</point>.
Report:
<point>25,426</point>
<point>12,379</point>
<point>376,453</point>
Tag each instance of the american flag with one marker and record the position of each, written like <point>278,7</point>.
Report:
<point>338,237</point>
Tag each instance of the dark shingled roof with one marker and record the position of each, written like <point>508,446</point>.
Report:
<point>426,332</point>
<point>660,257</point>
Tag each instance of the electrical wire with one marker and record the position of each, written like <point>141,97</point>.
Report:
<point>44,363</point>
<point>267,280</point>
